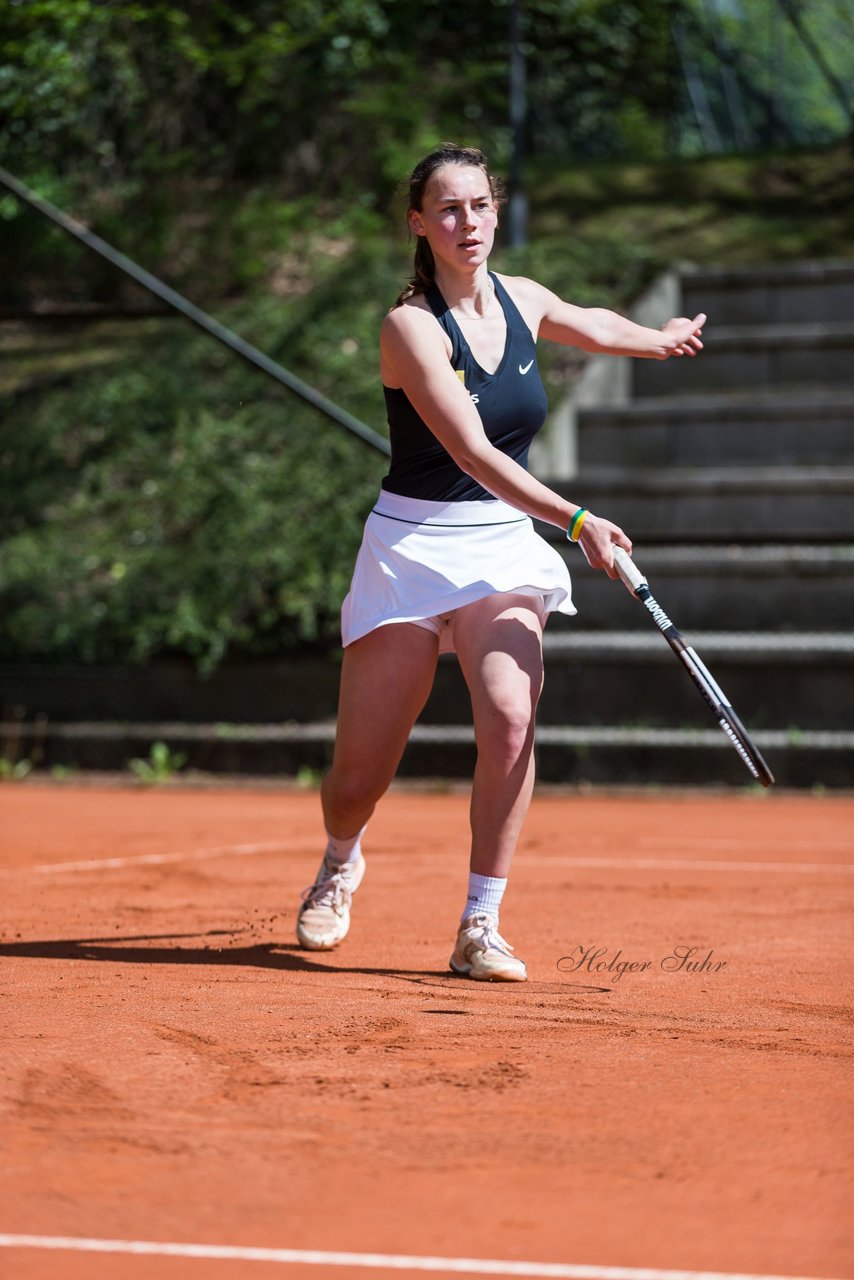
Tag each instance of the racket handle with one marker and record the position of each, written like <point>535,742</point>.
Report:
<point>628,570</point>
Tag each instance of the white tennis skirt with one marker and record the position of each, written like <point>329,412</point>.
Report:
<point>422,560</point>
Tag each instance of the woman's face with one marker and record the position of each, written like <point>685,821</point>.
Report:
<point>458,216</point>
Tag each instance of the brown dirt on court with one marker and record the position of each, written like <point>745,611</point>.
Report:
<point>177,1069</point>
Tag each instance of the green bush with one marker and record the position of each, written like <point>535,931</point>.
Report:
<point>180,502</point>
<point>161,766</point>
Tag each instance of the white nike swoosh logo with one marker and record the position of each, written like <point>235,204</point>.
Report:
<point>527,367</point>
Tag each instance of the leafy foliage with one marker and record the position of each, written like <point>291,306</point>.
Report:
<point>135,114</point>
<point>161,766</point>
<point>14,770</point>
<point>189,511</point>
<point>113,93</point>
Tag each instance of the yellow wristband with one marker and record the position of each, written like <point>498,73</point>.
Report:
<point>576,525</point>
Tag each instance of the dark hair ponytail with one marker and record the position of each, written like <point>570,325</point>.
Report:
<point>425,270</point>
<point>424,273</point>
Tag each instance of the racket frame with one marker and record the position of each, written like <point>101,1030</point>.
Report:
<point>712,693</point>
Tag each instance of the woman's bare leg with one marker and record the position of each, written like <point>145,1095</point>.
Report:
<point>385,681</point>
<point>386,678</point>
<point>499,645</point>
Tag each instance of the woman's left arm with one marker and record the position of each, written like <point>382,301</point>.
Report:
<point>596,329</point>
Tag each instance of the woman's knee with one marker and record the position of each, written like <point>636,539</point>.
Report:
<point>505,728</point>
<point>354,789</point>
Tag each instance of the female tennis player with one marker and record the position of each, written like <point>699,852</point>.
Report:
<point>450,561</point>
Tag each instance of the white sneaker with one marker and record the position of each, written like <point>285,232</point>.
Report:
<point>482,953</point>
<point>324,917</point>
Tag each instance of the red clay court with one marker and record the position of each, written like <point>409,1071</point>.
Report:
<point>177,1073</point>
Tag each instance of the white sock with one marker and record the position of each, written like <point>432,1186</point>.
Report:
<point>484,896</point>
<point>347,850</point>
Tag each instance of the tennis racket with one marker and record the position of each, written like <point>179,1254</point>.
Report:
<point>721,708</point>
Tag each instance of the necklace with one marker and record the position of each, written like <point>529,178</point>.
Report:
<point>465,315</point>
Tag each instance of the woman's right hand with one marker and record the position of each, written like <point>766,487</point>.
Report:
<point>683,336</point>
<point>597,540</point>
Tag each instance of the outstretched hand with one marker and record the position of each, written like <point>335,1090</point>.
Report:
<point>597,540</point>
<point>683,336</point>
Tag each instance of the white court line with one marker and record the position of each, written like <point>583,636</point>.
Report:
<point>688,864</point>
<point>287,846</point>
<point>377,1261</point>
<point>148,859</point>
<point>720,843</point>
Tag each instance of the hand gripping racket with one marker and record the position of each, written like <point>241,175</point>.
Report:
<point>636,583</point>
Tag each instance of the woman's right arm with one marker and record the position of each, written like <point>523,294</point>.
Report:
<point>415,356</point>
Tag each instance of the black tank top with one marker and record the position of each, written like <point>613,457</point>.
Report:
<point>511,403</point>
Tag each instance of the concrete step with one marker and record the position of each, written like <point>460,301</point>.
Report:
<point>567,754</point>
<point>632,677</point>
<point>766,587</point>
<point>770,293</point>
<point>739,357</point>
<point>721,504</point>
<point>803,427</point>
<point>773,681</point>
<point>591,755</point>
<point>298,686</point>
<point>626,674</point>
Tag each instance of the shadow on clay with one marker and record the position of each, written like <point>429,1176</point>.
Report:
<point>262,955</point>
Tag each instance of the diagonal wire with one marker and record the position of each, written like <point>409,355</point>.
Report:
<point>195,314</point>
